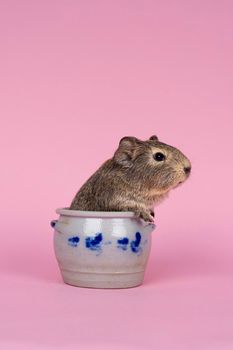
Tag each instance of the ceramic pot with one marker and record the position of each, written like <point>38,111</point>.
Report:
<point>101,249</point>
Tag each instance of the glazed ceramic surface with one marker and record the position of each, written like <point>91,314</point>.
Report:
<point>101,249</point>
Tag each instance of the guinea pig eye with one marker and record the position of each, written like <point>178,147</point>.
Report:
<point>159,157</point>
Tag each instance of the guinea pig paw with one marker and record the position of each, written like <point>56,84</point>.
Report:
<point>151,219</point>
<point>152,213</point>
<point>146,217</point>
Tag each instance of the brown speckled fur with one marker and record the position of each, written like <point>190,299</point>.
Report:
<point>132,180</point>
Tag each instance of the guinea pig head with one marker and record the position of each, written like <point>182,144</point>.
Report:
<point>151,165</point>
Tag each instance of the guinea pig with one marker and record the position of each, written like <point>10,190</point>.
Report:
<point>138,176</point>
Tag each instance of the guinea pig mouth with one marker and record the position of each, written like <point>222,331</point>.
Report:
<point>178,184</point>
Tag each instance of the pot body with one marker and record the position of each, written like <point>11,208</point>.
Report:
<point>101,249</point>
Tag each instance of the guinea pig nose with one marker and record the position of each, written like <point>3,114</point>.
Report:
<point>187,169</point>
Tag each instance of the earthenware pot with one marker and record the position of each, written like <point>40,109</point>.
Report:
<point>101,249</point>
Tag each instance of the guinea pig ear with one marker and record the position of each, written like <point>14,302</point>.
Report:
<point>129,141</point>
<point>154,137</point>
<point>125,153</point>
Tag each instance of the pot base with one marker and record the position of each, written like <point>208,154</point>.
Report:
<point>102,280</point>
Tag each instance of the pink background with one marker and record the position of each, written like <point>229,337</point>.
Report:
<point>75,77</point>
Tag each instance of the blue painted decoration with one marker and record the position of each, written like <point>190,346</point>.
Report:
<point>73,241</point>
<point>135,244</point>
<point>94,243</point>
<point>123,243</point>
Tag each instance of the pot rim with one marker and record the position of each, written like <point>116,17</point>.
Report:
<point>95,214</point>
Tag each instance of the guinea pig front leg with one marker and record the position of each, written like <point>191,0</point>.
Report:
<point>139,210</point>
<point>142,212</point>
<point>146,215</point>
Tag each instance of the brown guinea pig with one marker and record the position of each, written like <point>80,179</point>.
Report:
<point>138,176</point>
